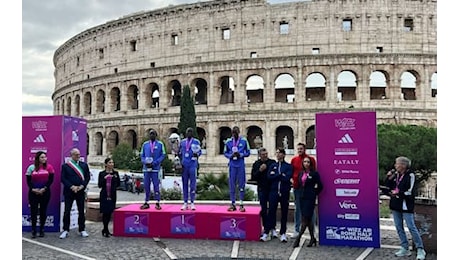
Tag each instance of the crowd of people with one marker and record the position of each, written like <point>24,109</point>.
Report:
<point>274,177</point>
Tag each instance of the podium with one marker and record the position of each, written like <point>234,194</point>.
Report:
<point>206,222</point>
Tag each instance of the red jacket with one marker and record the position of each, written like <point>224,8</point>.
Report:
<point>296,163</point>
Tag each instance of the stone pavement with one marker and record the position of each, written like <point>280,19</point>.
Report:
<point>98,247</point>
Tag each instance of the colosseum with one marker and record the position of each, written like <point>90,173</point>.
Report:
<point>267,68</point>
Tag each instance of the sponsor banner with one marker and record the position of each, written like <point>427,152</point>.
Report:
<point>348,165</point>
<point>55,135</point>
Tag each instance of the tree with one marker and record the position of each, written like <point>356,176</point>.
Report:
<point>418,143</point>
<point>126,158</point>
<point>187,112</point>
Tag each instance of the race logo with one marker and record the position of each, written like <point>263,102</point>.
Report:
<point>345,123</point>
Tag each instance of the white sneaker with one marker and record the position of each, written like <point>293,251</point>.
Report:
<point>192,206</point>
<point>295,234</point>
<point>64,234</point>
<point>264,237</point>
<point>421,254</point>
<point>184,207</point>
<point>274,233</point>
<point>403,252</point>
<point>84,234</point>
<point>283,238</point>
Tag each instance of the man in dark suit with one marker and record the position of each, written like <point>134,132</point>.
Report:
<point>75,176</point>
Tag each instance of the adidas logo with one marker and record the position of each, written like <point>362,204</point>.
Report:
<point>346,139</point>
<point>39,139</point>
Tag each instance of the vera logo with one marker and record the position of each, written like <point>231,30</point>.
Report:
<point>346,139</point>
<point>39,139</point>
<point>347,204</point>
<point>345,123</point>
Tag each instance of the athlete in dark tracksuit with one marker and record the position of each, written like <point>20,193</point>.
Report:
<point>279,174</point>
<point>235,149</point>
<point>259,173</point>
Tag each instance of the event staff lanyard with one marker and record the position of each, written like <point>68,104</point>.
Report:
<point>304,179</point>
<point>152,146</point>
<point>188,143</point>
<point>398,180</point>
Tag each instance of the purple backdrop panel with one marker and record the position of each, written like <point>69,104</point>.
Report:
<point>74,136</point>
<point>348,206</point>
<point>42,133</point>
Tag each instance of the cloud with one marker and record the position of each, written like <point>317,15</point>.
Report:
<point>47,24</point>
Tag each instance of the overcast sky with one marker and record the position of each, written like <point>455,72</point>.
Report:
<point>47,24</point>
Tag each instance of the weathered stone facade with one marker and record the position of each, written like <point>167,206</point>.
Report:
<point>265,68</point>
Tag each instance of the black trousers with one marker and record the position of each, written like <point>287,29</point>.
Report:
<point>39,205</point>
<point>79,198</point>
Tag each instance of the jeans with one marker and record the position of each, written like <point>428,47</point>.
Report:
<point>297,211</point>
<point>398,218</point>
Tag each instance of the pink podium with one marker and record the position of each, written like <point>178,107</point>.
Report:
<point>206,222</point>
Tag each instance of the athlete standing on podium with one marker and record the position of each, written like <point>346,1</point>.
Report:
<point>235,149</point>
<point>189,151</point>
<point>153,152</point>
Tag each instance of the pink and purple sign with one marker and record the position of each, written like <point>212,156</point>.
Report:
<point>183,223</point>
<point>55,135</point>
<point>347,154</point>
<point>136,223</point>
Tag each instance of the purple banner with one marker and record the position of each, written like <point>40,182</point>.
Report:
<point>233,228</point>
<point>347,158</point>
<point>136,223</point>
<point>55,135</point>
<point>183,223</point>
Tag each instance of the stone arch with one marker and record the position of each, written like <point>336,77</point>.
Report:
<point>100,101</point>
<point>346,85</point>
<point>175,90</point>
<point>378,82</point>
<point>254,135</point>
<point>310,137</point>
<point>315,87</point>
<point>63,106</point>
<point>68,107</point>
<point>225,132</point>
<point>434,84</point>
<point>133,97</point>
<point>115,99</point>
<point>87,144</point>
<point>201,132</point>
<point>113,139</point>
<point>285,134</point>
<point>409,80</point>
<point>98,140</point>
<point>200,90</point>
<point>227,90</point>
<point>77,105</point>
<point>131,139</point>
<point>87,103</point>
<point>58,106</point>
<point>255,89</point>
<point>152,95</point>
<point>284,88</point>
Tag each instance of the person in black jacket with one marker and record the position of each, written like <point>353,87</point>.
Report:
<point>108,182</point>
<point>401,183</point>
<point>310,186</point>
<point>279,175</point>
<point>75,176</point>
<point>259,173</point>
